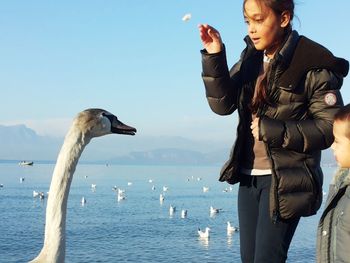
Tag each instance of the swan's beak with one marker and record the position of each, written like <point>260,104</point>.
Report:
<point>121,128</point>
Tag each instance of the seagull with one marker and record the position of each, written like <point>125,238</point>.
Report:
<point>93,187</point>
<point>83,201</point>
<point>183,213</point>
<point>165,188</point>
<point>204,234</point>
<point>172,210</point>
<point>41,195</point>
<point>161,198</point>
<point>121,195</point>
<point>21,179</point>
<point>129,183</point>
<point>214,211</point>
<point>205,189</point>
<point>120,191</point>
<point>231,228</point>
<point>153,188</point>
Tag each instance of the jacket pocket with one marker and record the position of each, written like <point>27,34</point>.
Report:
<point>297,190</point>
<point>316,187</point>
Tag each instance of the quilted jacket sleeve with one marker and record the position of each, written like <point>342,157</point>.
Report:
<point>315,132</point>
<point>221,85</point>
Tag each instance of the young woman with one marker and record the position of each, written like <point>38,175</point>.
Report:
<point>333,234</point>
<point>286,90</point>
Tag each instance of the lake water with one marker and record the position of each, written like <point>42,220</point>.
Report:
<point>137,229</point>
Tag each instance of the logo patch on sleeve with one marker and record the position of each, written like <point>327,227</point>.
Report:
<point>330,99</point>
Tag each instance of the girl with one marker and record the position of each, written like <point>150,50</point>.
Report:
<point>286,90</point>
<point>333,235</point>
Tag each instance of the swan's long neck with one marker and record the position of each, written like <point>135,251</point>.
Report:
<point>55,228</point>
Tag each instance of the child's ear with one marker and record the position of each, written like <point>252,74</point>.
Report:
<point>285,19</point>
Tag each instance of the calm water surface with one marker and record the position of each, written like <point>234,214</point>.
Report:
<point>137,229</point>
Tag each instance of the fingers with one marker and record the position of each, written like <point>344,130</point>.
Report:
<point>208,32</point>
<point>210,38</point>
<point>255,128</point>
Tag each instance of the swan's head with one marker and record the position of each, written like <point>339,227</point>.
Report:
<point>99,122</point>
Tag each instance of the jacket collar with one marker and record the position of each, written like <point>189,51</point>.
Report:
<point>341,178</point>
<point>297,56</point>
<point>284,55</point>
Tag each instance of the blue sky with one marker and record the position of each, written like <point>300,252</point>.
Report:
<point>135,58</point>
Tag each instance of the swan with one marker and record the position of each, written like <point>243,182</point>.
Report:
<point>88,124</point>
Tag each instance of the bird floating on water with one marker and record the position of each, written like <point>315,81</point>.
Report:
<point>205,189</point>
<point>204,234</point>
<point>231,228</point>
<point>183,213</point>
<point>172,210</point>
<point>161,198</point>
<point>87,125</point>
<point>214,211</point>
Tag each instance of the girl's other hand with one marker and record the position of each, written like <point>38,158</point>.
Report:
<point>255,128</point>
<point>210,38</point>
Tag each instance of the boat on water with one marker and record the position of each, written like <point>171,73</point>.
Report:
<point>26,163</point>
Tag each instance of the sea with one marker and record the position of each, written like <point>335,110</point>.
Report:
<point>138,228</point>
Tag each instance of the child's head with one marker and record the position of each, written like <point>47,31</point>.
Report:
<point>268,22</point>
<point>341,132</point>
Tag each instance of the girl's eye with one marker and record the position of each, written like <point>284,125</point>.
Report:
<point>246,22</point>
<point>259,21</point>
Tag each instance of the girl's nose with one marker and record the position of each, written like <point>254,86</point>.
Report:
<point>251,28</point>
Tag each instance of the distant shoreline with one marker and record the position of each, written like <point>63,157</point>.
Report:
<point>106,163</point>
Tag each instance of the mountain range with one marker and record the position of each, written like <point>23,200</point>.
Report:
<point>19,142</point>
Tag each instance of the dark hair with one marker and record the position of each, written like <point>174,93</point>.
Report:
<point>278,7</point>
<point>343,114</point>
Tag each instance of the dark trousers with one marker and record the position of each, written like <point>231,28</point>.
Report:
<point>261,240</point>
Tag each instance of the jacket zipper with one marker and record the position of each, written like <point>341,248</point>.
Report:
<point>261,112</point>
<point>275,213</point>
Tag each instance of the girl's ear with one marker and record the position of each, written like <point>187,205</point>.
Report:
<point>285,19</point>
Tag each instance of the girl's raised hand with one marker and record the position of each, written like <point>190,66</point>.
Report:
<point>210,38</point>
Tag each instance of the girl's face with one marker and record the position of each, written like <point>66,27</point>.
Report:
<point>341,144</point>
<point>265,28</point>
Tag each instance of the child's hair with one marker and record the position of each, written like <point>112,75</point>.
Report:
<point>343,114</point>
<point>278,7</point>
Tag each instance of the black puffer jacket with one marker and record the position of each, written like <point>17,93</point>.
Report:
<point>304,89</point>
